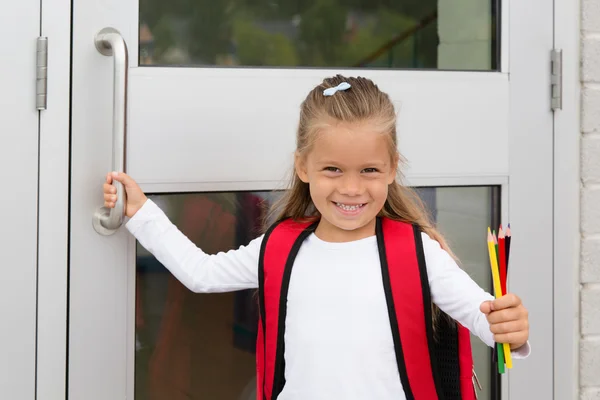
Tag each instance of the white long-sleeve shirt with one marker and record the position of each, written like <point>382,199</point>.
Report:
<point>338,340</point>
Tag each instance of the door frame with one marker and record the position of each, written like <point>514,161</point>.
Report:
<point>54,175</point>
<point>567,236</point>
<point>53,243</point>
<point>19,158</point>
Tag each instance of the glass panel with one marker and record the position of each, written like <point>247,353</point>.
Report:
<point>463,214</point>
<point>202,346</point>
<point>321,33</point>
<point>192,346</point>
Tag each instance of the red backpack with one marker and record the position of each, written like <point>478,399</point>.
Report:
<point>429,368</point>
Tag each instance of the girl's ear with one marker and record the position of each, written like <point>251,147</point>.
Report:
<point>300,166</point>
<point>393,170</point>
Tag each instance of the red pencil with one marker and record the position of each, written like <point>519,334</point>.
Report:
<point>502,257</point>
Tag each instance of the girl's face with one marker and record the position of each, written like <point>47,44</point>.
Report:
<point>348,170</point>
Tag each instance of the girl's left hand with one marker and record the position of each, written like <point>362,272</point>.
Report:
<point>508,319</point>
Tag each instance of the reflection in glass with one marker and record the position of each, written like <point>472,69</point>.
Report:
<point>463,214</point>
<point>202,346</point>
<point>320,33</point>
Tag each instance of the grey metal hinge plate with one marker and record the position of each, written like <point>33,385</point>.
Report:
<point>556,79</point>
<point>41,87</point>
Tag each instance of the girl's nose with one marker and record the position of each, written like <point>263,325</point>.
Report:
<point>351,186</point>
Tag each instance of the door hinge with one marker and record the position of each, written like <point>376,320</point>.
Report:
<point>41,86</point>
<point>556,79</point>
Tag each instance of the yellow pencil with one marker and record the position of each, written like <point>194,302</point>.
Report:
<point>498,289</point>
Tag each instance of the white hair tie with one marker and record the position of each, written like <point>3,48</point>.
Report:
<point>341,87</point>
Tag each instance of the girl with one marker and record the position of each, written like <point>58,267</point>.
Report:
<point>325,328</point>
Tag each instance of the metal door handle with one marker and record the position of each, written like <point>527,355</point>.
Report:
<point>109,42</point>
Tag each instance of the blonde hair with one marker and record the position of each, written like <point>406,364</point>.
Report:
<point>361,103</point>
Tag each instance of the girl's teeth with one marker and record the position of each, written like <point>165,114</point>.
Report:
<point>349,208</point>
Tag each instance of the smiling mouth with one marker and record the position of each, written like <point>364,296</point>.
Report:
<point>349,207</point>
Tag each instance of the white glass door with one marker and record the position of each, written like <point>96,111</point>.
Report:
<point>213,94</point>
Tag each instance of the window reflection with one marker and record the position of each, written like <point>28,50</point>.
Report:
<point>192,346</point>
<point>320,33</point>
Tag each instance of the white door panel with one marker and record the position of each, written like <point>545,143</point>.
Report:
<point>223,125</point>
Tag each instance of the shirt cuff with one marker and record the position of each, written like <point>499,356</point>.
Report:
<point>148,212</point>
<point>522,352</point>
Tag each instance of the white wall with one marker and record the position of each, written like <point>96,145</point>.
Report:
<point>19,28</point>
<point>590,202</point>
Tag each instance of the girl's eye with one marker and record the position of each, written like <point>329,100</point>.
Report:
<point>331,169</point>
<point>370,170</point>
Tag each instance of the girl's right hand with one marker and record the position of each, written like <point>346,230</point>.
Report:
<point>134,199</point>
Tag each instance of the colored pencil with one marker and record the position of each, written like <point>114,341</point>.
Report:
<point>497,287</point>
<point>496,246</point>
<point>498,348</point>
<point>508,240</point>
<point>502,258</point>
<point>506,346</point>
<point>507,352</point>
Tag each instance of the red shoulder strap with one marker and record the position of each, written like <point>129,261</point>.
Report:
<point>278,251</point>
<point>402,261</point>
<point>465,361</point>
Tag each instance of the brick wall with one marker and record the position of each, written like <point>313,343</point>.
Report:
<point>590,202</point>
